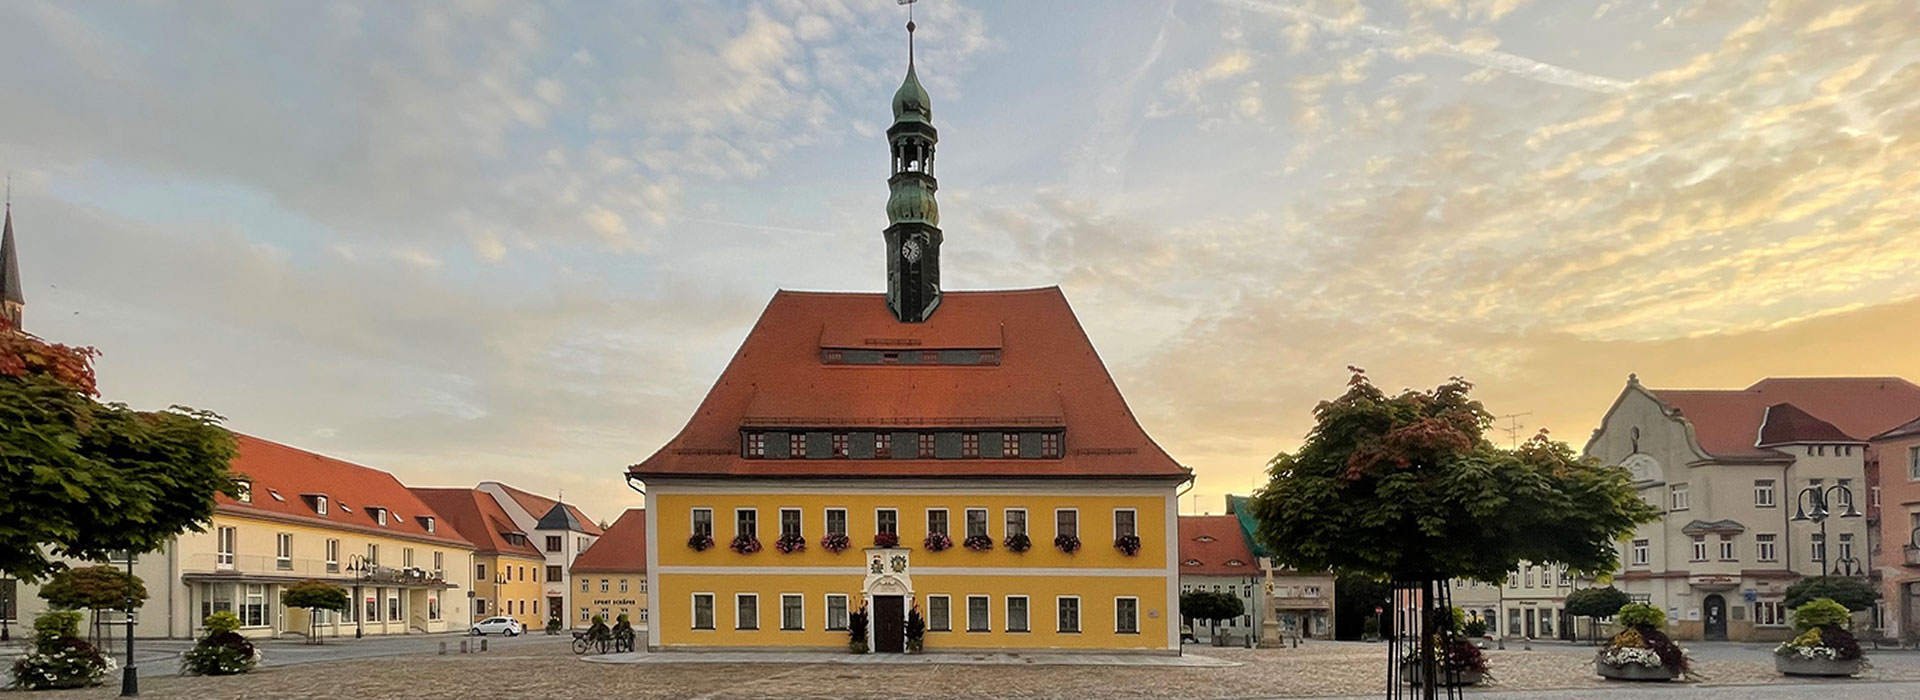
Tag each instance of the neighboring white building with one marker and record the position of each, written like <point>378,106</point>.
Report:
<point>1726,468</point>
<point>561,532</point>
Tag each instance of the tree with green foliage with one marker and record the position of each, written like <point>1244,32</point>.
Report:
<point>314,595</point>
<point>83,479</point>
<point>1596,603</point>
<point>93,589</point>
<point>1407,488</point>
<point>1857,594</point>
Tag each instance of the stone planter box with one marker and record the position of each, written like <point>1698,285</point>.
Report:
<point>1633,672</point>
<point>1797,666</point>
<point>1415,676</point>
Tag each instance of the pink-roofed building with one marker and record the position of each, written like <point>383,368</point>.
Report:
<point>1897,457</point>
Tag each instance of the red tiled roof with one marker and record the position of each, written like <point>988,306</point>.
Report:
<point>479,518</point>
<point>1727,422</point>
<point>1048,376</point>
<point>291,473</point>
<point>539,505</point>
<point>622,549</point>
<point>1209,543</point>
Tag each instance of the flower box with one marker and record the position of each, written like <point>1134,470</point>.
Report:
<point>1633,672</point>
<point>1796,665</point>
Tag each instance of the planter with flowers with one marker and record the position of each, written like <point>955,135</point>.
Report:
<point>744,544</point>
<point>937,542</point>
<point>1067,543</point>
<point>1641,652</point>
<point>1018,542</point>
<point>835,542</point>
<point>1456,660</point>
<point>886,540</point>
<point>979,543</point>
<point>58,657</point>
<point>1127,544</point>
<point>790,543</point>
<point>1823,646</point>
<point>700,543</point>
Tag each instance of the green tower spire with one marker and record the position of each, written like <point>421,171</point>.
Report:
<point>913,216</point>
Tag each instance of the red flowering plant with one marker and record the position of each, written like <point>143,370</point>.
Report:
<point>937,542</point>
<point>1067,543</point>
<point>699,542</point>
<point>790,543</point>
<point>886,539</point>
<point>979,543</point>
<point>835,542</point>
<point>1018,542</point>
<point>745,544</point>
<point>1127,544</point>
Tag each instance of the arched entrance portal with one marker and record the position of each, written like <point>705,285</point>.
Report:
<point>888,589</point>
<point>1714,610</point>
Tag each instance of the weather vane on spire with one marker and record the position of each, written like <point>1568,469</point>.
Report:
<point>910,27</point>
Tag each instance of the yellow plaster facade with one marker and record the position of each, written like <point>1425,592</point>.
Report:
<point>509,585</point>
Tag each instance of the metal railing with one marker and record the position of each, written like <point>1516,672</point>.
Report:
<point>315,568</point>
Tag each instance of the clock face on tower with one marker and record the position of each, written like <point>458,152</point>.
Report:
<point>910,250</point>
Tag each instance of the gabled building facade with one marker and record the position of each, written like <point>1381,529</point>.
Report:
<point>611,577</point>
<point>507,568</point>
<point>562,533</point>
<point>1897,461</point>
<point>965,454</point>
<point>1214,556</point>
<point>1729,469</point>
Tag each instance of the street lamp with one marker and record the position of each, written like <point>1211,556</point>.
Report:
<point>362,570</point>
<point>6,609</point>
<point>1811,505</point>
<point>129,676</point>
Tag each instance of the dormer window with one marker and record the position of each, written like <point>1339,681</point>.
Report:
<point>379,515</point>
<point>1191,562</point>
<point>319,503</point>
<point>1235,562</point>
<point>1203,538</point>
<point>426,522</point>
<point>243,491</point>
<point>276,495</point>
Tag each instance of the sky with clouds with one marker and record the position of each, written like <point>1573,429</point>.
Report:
<point>518,240</point>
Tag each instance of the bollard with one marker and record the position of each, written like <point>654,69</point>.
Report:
<point>483,645</point>
<point>463,646</point>
<point>1501,643</point>
<point>443,648</point>
<point>1527,645</point>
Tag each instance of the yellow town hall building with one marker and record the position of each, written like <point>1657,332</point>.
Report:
<point>965,454</point>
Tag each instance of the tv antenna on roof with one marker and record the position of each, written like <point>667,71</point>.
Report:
<point>1512,428</point>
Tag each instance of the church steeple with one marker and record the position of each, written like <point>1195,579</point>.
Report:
<point>13,304</point>
<point>913,217</point>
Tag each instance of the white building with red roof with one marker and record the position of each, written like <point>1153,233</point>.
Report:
<point>1730,469</point>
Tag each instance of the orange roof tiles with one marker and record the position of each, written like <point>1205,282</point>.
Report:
<point>538,506</point>
<point>1212,545</point>
<point>1728,422</point>
<point>478,518</point>
<point>623,549</point>
<point>281,477</point>
<point>1049,376</point>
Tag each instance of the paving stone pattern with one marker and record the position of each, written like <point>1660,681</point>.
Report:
<point>1317,670</point>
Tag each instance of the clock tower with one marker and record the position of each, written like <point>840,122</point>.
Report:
<point>913,217</point>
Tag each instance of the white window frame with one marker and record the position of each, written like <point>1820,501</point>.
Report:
<point>333,555</point>
<point>799,521</point>
<point>283,550</point>
<point>799,600</point>
<point>1678,497</point>
<point>943,625</point>
<point>1642,552</point>
<point>984,625</point>
<point>227,539</point>
<point>1699,548</point>
<point>737,531</point>
<point>1913,463</point>
<point>713,612</point>
<point>693,520</point>
<point>827,521</point>
<point>946,522</point>
<point>1729,548</point>
<point>986,521</point>
<point>1135,525</point>
<point>1117,628</point>
<point>1766,547</point>
<point>1079,613</point>
<point>1007,521</point>
<point>737,598</point>
<point>846,613</point>
<point>1763,493</point>
<point>1026,614</point>
<point>877,528</point>
<point>1056,521</point>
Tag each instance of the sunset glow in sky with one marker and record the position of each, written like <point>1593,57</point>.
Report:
<point>518,241</point>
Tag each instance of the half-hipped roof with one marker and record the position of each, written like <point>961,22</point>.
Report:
<point>622,550</point>
<point>478,518</point>
<point>1733,423</point>
<point>540,506</point>
<point>1047,377</point>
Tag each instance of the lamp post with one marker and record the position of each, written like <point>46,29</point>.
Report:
<point>361,570</point>
<point>6,610</point>
<point>1811,504</point>
<point>129,676</point>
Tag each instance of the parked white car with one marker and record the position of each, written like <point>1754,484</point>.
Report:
<point>497,625</point>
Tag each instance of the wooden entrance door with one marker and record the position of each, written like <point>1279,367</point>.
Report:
<point>1715,612</point>
<point>889,624</point>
